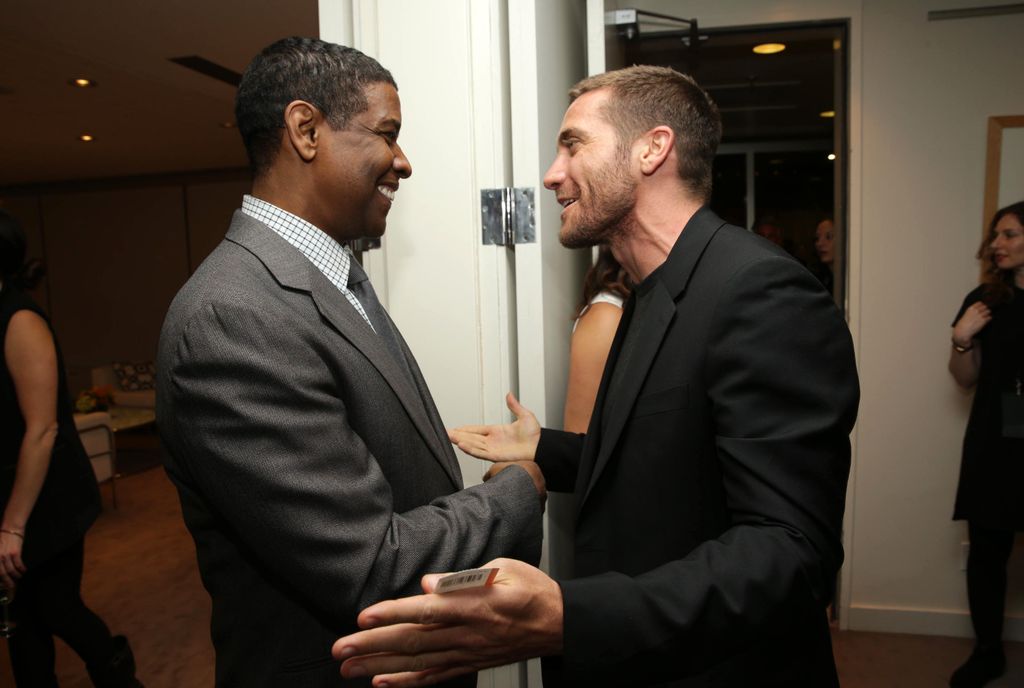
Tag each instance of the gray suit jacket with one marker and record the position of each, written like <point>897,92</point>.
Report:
<point>315,476</point>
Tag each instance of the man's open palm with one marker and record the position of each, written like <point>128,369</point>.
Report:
<point>511,442</point>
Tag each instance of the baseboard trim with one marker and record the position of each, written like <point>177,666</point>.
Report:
<point>955,624</point>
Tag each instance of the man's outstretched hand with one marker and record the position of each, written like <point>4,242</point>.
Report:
<point>426,639</point>
<point>511,442</point>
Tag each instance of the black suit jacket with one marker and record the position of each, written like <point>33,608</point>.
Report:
<point>315,476</point>
<point>710,492</point>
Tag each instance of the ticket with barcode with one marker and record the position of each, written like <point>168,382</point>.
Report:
<point>470,578</point>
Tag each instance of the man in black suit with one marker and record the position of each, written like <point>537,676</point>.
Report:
<point>313,468</point>
<point>710,485</point>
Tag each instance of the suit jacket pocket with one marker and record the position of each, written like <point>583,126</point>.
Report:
<point>662,401</point>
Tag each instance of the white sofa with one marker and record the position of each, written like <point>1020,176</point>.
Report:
<point>98,439</point>
<point>105,375</point>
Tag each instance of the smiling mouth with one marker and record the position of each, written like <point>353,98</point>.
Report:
<point>387,192</point>
<point>566,202</point>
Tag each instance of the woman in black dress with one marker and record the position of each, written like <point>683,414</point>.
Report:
<point>48,493</point>
<point>988,353</point>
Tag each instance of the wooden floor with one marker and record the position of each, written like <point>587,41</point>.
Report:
<point>141,577</point>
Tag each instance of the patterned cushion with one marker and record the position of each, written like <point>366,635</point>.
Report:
<point>133,377</point>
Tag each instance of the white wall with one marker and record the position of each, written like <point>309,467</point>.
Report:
<point>929,88</point>
<point>921,93</point>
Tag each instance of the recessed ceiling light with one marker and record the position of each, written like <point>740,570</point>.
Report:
<point>769,48</point>
<point>831,156</point>
<point>827,114</point>
<point>227,125</point>
<point>85,137</point>
<point>82,82</point>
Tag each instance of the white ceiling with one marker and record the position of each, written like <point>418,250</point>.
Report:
<point>149,115</point>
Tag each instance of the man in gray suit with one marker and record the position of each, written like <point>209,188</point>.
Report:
<point>314,471</point>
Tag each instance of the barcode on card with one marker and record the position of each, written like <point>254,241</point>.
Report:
<point>471,578</point>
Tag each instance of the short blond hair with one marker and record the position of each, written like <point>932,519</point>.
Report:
<point>645,97</point>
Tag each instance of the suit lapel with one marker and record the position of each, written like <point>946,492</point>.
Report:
<point>336,308</point>
<point>651,332</point>
<point>442,447</point>
<point>293,270</point>
<point>670,281</point>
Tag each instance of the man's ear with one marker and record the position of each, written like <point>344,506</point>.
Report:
<point>658,144</point>
<point>302,123</point>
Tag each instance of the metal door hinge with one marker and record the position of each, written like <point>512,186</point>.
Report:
<point>508,216</point>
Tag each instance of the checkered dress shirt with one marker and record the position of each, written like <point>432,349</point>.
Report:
<point>329,257</point>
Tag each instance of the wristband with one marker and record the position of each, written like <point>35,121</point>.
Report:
<point>13,532</point>
<point>962,349</point>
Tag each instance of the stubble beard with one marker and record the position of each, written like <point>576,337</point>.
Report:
<point>612,198</point>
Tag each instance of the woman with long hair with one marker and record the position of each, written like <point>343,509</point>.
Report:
<point>605,287</point>
<point>48,493</point>
<point>988,355</point>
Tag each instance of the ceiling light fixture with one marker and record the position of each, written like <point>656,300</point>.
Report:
<point>769,48</point>
<point>827,114</point>
<point>82,82</point>
<point>831,156</point>
<point>85,137</point>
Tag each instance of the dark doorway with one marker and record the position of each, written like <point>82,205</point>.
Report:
<point>782,160</point>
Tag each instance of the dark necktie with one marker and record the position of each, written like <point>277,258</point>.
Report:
<point>359,284</point>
